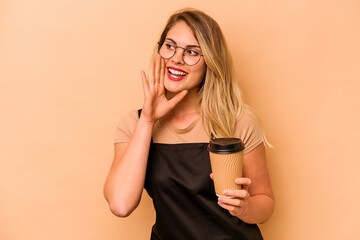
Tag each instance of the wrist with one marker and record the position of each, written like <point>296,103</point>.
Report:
<point>146,121</point>
<point>244,213</point>
<point>258,209</point>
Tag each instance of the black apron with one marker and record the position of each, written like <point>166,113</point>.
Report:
<point>178,181</point>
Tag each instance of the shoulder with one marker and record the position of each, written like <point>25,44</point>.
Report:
<point>247,117</point>
<point>126,126</point>
<point>129,119</point>
<point>248,129</point>
<point>131,116</point>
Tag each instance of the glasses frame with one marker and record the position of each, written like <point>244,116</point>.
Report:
<point>183,54</point>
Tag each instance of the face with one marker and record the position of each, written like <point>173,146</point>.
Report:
<point>180,76</point>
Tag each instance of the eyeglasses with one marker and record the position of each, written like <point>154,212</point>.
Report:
<point>190,56</point>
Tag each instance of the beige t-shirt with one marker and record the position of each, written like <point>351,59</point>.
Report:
<point>247,129</point>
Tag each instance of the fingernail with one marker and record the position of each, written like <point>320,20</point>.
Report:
<point>226,192</point>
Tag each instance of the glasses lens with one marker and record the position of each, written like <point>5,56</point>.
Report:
<point>191,60</point>
<point>167,50</point>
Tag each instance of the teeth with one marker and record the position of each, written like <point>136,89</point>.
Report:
<point>172,71</point>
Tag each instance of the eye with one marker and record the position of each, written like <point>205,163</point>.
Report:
<point>191,52</point>
<point>169,46</point>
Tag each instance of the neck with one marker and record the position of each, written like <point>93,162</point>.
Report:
<point>188,105</point>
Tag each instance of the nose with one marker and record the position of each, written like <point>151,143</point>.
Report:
<point>178,56</point>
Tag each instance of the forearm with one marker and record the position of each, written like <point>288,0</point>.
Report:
<point>125,182</point>
<point>259,209</point>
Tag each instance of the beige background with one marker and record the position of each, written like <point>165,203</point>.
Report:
<point>70,69</point>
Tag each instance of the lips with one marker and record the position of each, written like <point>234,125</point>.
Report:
<point>176,74</point>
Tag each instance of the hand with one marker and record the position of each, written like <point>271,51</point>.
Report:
<point>237,204</point>
<point>156,105</point>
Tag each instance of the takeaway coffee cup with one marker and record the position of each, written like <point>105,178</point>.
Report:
<point>226,157</point>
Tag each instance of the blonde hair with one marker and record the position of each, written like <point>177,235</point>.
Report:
<point>220,96</point>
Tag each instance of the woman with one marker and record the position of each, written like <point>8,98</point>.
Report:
<point>191,96</point>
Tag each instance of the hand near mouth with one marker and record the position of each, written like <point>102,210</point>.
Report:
<point>156,105</point>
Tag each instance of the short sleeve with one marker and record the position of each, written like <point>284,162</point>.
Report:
<point>126,127</point>
<point>248,129</point>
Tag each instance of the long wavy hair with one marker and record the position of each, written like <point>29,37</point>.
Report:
<point>219,96</point>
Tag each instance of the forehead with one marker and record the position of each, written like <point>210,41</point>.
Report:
<point>181,33</point>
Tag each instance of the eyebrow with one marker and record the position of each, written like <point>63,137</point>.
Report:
<point>187,46</point>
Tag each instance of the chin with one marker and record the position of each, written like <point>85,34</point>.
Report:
<point>171,87</point>
<point>173,91</point>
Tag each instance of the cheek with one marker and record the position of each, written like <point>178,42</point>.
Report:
<point>199,76</point>
<point>201,66</point>
<point>201,70</point>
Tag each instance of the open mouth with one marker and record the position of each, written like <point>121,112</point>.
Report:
<point>176,74</point>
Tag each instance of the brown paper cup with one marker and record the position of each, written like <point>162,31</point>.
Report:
<point>226,157</point>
